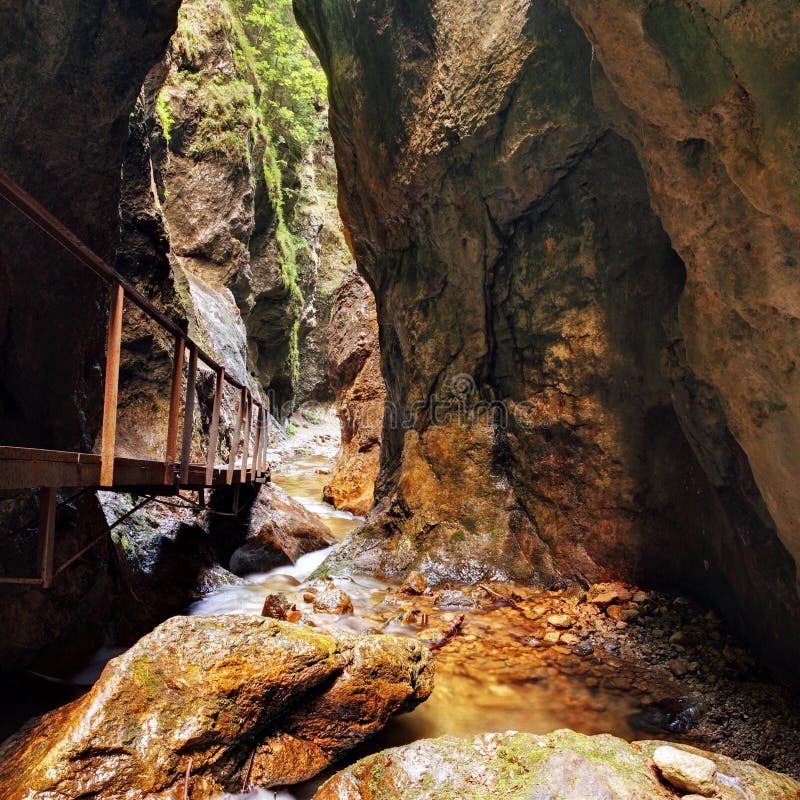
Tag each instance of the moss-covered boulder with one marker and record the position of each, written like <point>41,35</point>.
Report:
<point>521,766</point>
<point>223,698</point>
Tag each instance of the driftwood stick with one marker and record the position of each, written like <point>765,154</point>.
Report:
<point>451,634</point>
<point>508,600</point>
<point>246,785</point>
<point>186,779</point>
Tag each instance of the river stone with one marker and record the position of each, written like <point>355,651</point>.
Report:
<point>333,601</point>
<point>415,583</point>
<point>686,771</point>
<point>735,779</point>
<point>217,689</point>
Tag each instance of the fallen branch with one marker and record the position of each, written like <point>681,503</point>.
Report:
<point>451,634</point>
<point>186,779</point>
<point>507,600</point>
<point>246,787</point>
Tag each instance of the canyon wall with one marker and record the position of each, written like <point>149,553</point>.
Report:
<point>154,149</point>
<point>575,391</point>
<point>356,380</point>
<point>62,136</point>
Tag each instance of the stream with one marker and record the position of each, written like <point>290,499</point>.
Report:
<point>491,678</point>
<point>523,659</point>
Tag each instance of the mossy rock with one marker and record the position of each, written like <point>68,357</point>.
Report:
<point>563,765</point>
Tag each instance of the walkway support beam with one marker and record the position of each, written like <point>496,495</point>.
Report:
<point>113,347</point>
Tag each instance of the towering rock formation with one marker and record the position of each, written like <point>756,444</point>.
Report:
<point>355,377</point>
<point>152,148</point>
<point>71,75</point>
<point>68,90</point>
<point>573,400</point>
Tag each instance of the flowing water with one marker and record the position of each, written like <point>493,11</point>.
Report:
<point>495,676</point>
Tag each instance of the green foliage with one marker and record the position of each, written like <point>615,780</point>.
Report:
<point>229,119</point>
<point>292,81</point>
<point>164,113</point>
<point>293,359</point>
<point>190,38</point>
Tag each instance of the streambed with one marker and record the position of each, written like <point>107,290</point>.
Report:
<point>510,668</point>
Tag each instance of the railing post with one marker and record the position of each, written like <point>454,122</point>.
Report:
<point>113,346</point>
<point>174,411</point>
<point>47,533</point>
<point>237,429</point>
<point>257,445</point>
<point>246,442</point>
<point>213,433</point>
<point>188,414</point>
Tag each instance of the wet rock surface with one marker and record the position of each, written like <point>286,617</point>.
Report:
<point>507,766</point>
<point>163,560</point>
<point>278,528</point>
<point>530,188</point>
<point>355,377</point>
<point>503,664</point>
<point>223,696</point>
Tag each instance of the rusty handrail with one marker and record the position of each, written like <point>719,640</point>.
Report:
<point>121,288</point>
<point>16,196</point>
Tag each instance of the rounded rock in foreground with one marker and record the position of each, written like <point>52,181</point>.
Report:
<point>686,771</point>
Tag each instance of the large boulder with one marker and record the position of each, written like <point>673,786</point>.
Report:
<point>355,375</point>
<point>509,766</point>
<point>223,698</point>
<point>279,529</point>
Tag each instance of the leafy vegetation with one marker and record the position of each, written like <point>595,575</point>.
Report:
<point>292,82</point>
<point>164,112</point>
<point>263,105</point>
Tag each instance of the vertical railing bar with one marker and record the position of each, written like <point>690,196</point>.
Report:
<point>47,533</point>
<point>188,414</point>
<point>213,433</point>
<point>262,454</point>
<point>246,443</point>
<point>114,343</point>
<point>257,445</point>
<point>268,423</point>
<point>174,410</point>
<point>235,438</point>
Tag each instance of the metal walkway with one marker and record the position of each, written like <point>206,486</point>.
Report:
<point>51,470</point>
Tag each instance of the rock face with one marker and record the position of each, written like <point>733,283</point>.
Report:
<point>507,766</point>
<point>146,145</point>
<point>162,559</point>
<point>72,72</point>
<point>329,262</point>
<point>355,376</point>
<point>561,408</point>
<point>228,694</point>
<point>278,529</point>
<point>82,63</point>
<point>719,152</point>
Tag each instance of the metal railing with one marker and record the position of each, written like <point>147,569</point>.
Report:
<point>252,463</point>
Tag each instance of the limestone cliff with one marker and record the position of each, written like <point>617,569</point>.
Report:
<point>577,391</point>
<point>71,75</point>
<point>355,377</point>
<point>153,148</point>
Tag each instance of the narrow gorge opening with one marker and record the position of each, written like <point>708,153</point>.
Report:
<point>408,375</point>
